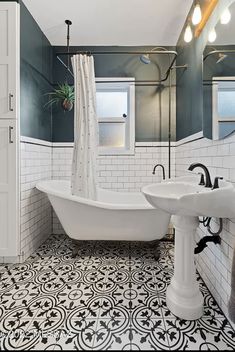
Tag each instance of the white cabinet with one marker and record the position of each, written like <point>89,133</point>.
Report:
<point>9,192</point>
<point>9,59</point>
<point>9,121</point>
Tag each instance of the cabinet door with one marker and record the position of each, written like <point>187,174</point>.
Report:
<point>9,59</point>
<point>9,210</point>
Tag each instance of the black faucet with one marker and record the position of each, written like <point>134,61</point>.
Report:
<point>206,171</point>
<point>163,170</point>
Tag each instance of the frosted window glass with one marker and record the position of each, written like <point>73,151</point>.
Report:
<point>111,104</point>
<point>226,103</point>
<point>112,134</point>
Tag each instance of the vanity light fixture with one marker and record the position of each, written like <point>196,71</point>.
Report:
<point>197,14</point>
<point>225,17</point>
<point>188,34</point>
<point>212,36</point>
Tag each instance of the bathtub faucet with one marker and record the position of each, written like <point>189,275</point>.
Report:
<point>163,170</point>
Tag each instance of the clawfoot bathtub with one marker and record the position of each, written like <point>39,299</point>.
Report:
<point>114,216</point>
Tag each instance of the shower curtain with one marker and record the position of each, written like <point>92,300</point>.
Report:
<point>83,182</point>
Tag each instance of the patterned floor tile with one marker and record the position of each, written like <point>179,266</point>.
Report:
<point>81,333</point>
<point>17,274</point>
<point>116,275</point>
<point>143,280</point>
<point>43,343</point>
<point>149,334</point>
<point>82,263</point>
<point>109,296</point>
<point>75,295</point>
<point>146,310</point>
<point>26,310</point>
<point>12,330</point>
<point>87,310</point>
<point>19,296</point>
<point>115,305</point>
<point>41,334</point>
<point>202,334</point>
<point>112,334</point>
<point>141,296</point>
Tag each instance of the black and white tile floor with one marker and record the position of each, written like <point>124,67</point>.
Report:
<point>110,297</point>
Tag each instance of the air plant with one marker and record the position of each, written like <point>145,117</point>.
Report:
<point>63,95</point>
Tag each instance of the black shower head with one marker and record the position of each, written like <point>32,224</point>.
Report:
<point>221,58</point>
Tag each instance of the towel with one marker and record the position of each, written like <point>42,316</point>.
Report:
<point>231,303</point>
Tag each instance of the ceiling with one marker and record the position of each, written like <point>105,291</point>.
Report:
<point>111,22</point>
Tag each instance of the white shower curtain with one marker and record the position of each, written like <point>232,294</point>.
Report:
<point>83,181</point>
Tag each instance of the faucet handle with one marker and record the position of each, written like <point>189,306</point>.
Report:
<point>216,182</point>
<point>202,180</point>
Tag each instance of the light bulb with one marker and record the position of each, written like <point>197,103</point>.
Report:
<point>225,17</point>
<point>212,36</point>
<point>197,15</point>
<point>188,35</point>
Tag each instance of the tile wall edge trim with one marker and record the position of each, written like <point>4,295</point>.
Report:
<point>30,140</point>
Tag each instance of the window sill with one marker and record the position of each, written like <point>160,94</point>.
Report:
<point>116,151</point>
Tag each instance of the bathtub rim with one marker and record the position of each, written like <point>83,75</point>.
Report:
<point>43,186</point>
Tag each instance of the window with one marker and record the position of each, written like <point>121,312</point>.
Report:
<point>116,115</point>
<point>223,113</point>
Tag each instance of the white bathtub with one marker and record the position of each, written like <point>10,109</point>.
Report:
<point>114,216</point>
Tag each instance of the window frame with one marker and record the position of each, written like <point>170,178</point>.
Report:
<point>118,85</point>
<point>216,118</point>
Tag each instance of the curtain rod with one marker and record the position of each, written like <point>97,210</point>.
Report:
<point>161,52</point>
<point>88,52</point>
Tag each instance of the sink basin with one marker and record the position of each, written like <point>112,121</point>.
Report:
<point>186,200</point>
<point>183,196</point>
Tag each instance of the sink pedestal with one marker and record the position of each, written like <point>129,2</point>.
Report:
<point>183,297</point>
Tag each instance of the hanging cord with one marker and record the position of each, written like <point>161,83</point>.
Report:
<point>215,238</point>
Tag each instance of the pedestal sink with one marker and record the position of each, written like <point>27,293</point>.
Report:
<point>186,201</point>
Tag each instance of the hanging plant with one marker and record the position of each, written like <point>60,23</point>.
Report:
<point>63,95</point>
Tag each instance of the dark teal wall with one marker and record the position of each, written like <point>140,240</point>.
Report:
<point>189,94</point>
<point>35,78</point>
<point>151,102</point>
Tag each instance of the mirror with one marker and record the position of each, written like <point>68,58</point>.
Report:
<point>219,78</point>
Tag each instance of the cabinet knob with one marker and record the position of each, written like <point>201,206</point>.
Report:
<point>10,134</point>
<point>10,102</point>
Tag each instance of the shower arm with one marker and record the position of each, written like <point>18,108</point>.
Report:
<point>138,82</point>
<point>226,51</point>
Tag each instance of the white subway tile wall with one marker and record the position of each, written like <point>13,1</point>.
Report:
<point>130,173</point>
<point>120,173</point>
<point>215,262</point>
<point>35,209</point>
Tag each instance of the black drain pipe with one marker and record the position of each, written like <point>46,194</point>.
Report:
<point>202,244</point>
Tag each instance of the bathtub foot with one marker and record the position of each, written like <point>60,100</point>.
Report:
<point>157,255</point>
<point>157,250</point>
<point>75,250</point>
